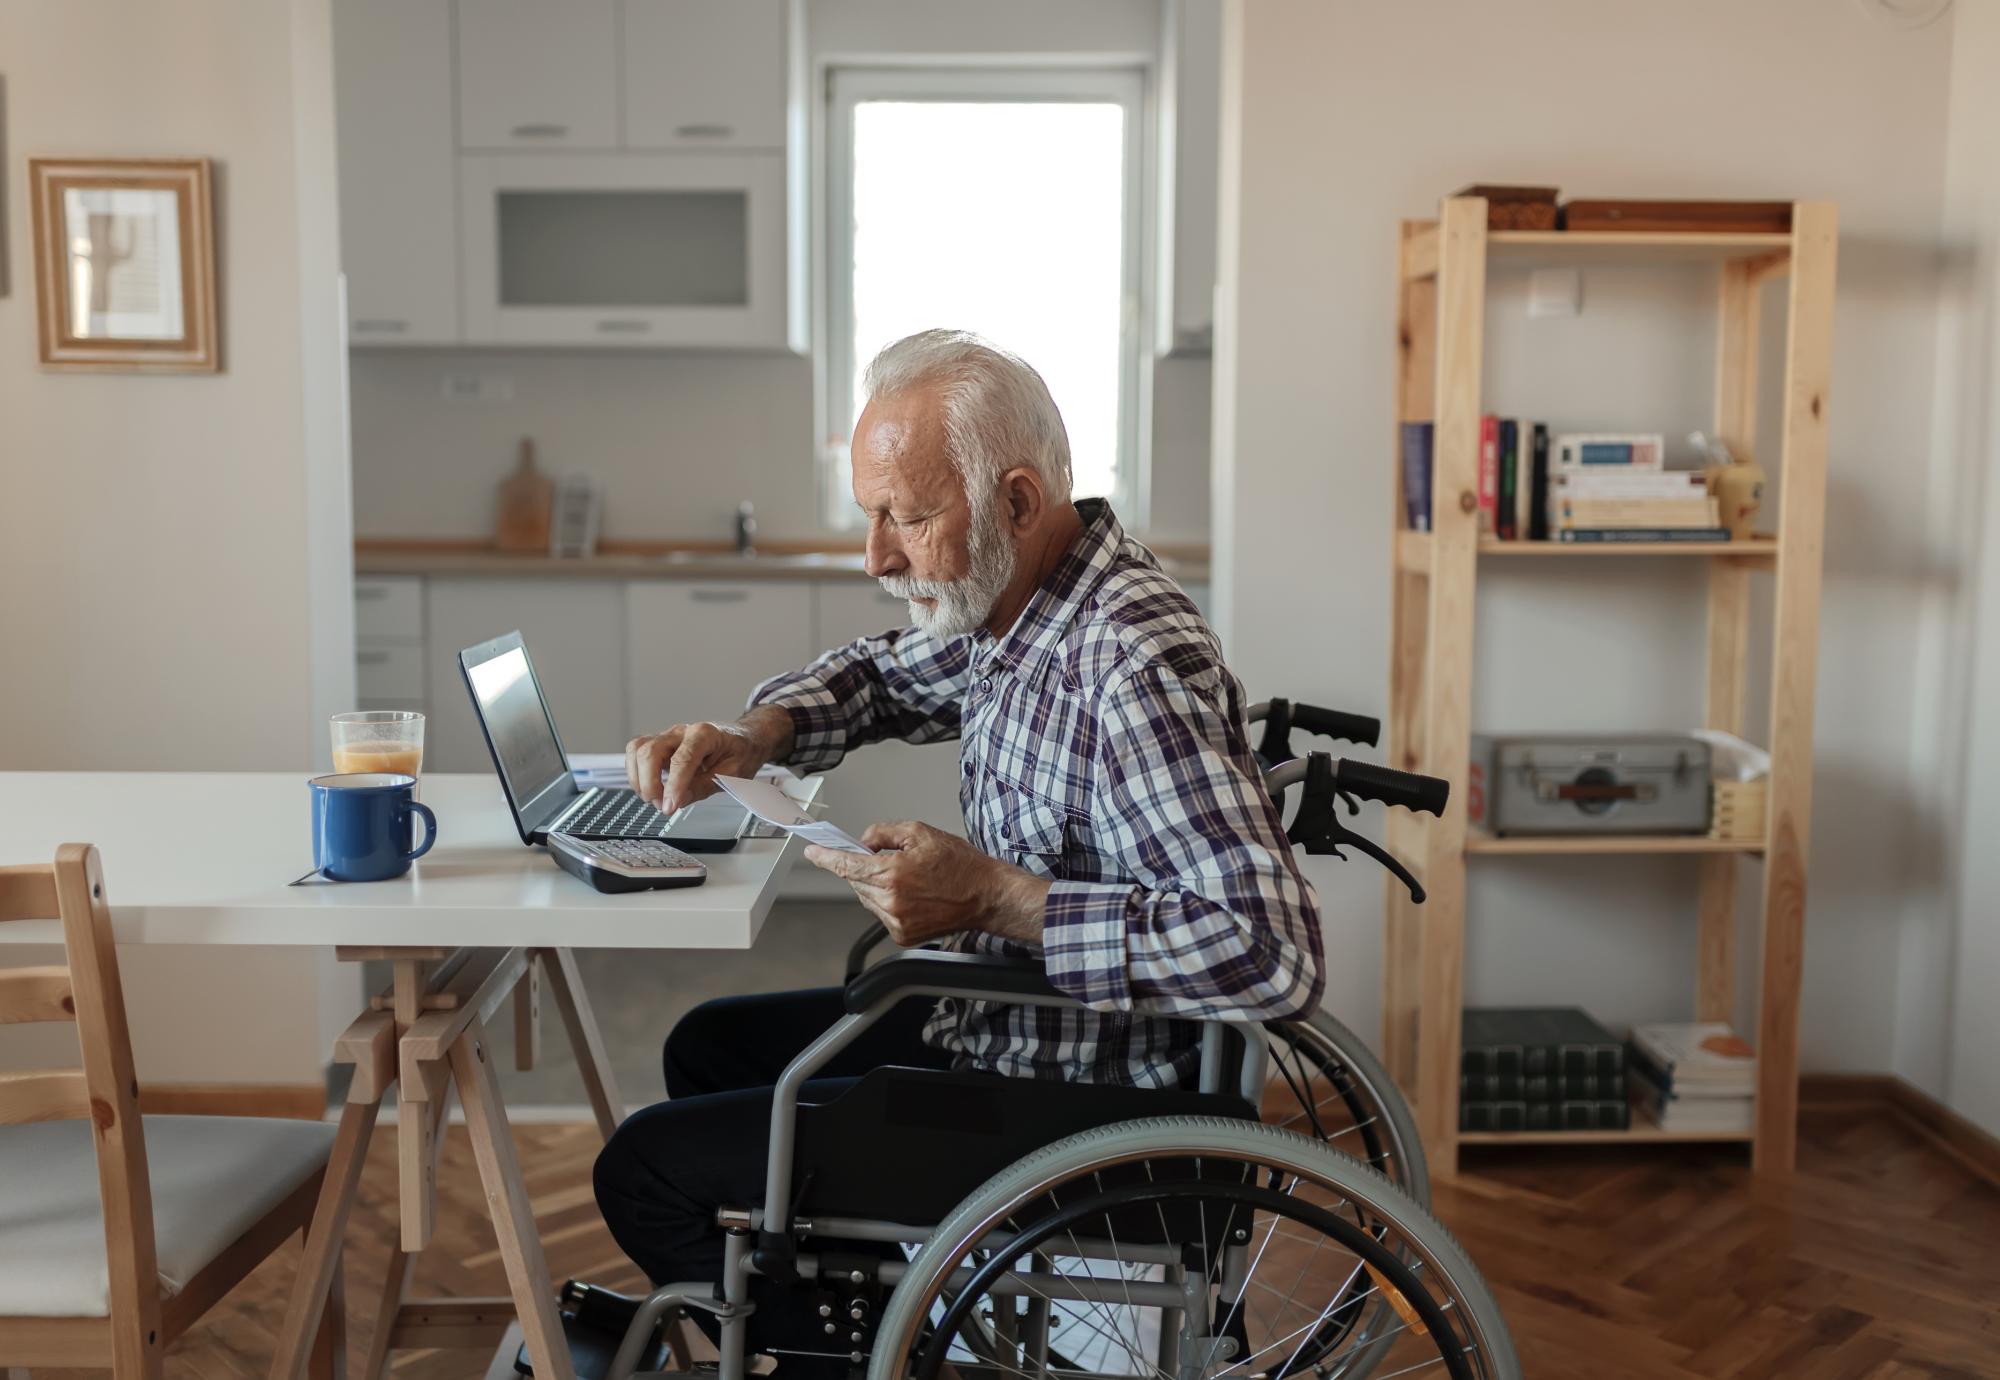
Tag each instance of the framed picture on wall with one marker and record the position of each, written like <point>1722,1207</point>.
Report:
<point>125,264</point>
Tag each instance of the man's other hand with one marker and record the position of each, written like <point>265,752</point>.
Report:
<point>679,767</point>
<point>923,883</point>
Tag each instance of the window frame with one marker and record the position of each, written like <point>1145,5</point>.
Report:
<point>846,84</point>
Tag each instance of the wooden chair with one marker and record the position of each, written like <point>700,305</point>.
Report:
<point>105,1268</point>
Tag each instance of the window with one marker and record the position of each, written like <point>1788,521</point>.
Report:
<point>1004,201</point>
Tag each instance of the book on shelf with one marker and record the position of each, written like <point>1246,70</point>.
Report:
<point>1572,1114</point>
<point>1626,483</point>
<point>1705,1058</point>
<point>1722,1114</point>
<point>1538,1087</point>
<point>1642,534</point>
<point>1639,450</point>
<point>1489,473</point>
<point>1538,497</point>
<point>1524,479</point>
<point>1418,441</point>
<point>1508,502</point>
<point>1660,513</point>
<point>1537,1040</point>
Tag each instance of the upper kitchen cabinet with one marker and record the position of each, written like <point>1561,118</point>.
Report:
<point>392,69</point>
<point>704,74</point>
<point>537,75</point>
<point>624,250</point>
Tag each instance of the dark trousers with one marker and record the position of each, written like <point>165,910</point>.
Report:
<point>665,1171</point>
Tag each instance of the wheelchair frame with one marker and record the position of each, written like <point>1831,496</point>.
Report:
<point>759,1241</point>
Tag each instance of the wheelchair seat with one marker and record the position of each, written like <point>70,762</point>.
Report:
<point>907,1144</point>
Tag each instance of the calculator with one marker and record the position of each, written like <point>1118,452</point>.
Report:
<point>617,865</point>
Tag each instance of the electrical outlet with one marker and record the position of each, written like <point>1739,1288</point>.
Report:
<point>1555,292</point>
<point>477,387</point>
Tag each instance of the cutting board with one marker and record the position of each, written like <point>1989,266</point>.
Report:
<point>527,503</point>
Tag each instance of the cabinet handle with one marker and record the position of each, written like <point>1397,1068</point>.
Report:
<point>718,596</point>
<point>624,326</point>
<point>371,658</point>
<point>382,324</point>
<point>704,131</point>
<point>362,592</point>
<point>540,131</point>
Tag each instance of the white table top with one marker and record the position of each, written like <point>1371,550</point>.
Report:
<point>204,858</point>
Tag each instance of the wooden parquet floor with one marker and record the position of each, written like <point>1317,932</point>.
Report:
<point>1879,1260</point>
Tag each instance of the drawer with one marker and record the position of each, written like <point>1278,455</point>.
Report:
<point>389,671</point>
<point>389,609</point>
<point>697,648</point>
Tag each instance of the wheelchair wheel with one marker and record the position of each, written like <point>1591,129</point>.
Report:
<point>1329,1086</point>
<point>1185,1248</point>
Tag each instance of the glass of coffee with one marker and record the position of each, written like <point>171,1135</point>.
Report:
<point>390,740</point>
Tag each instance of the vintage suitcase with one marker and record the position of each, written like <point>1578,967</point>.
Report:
<point>1646,783</point>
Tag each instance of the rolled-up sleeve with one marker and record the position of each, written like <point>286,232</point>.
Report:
<point>903,684</point>
<point>1219,921</point>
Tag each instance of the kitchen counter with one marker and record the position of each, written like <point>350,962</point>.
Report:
<point>627,561</point>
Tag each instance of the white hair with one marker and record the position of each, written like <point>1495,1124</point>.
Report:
<point>998,414</point>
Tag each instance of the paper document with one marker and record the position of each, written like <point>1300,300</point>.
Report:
<point>598,768</point>
<point>768,801</point>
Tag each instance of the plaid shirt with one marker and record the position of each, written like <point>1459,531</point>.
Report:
<point>1103,746</point>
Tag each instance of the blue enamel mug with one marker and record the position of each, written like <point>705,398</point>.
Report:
<point>362,825</point>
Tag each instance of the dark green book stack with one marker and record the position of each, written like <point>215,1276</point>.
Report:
<point>1539,1068</point>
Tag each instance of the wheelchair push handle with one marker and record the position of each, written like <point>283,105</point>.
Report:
<point>1424,794</point>
<point>1333,723</point>
<point>1281,716</point>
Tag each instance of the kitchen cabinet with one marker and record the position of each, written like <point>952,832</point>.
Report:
<point>624,249</point>
<point>536,75</point>
<point>575,634</point>
<point>704,74</point>
<point>398,215</point>
<point>389,643</point>
<point>696,648</point>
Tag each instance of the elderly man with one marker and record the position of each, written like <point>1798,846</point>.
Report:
<point>1116,825</point>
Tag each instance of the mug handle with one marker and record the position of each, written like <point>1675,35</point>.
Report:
<point>430,827</point>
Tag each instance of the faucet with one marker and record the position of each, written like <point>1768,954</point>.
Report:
<point>746,528</point>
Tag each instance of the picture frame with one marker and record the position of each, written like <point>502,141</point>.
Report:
<point>125,275</point>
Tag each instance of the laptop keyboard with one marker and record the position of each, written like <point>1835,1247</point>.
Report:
<point>608,814</point>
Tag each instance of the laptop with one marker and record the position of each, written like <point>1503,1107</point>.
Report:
<point>534,772</point>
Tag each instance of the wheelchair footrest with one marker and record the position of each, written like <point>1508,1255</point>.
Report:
<point>594,1322</point>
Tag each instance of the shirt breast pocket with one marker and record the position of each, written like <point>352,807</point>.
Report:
<point>1034,834</point>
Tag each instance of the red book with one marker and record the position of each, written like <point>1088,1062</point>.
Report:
<point>1489,474</point>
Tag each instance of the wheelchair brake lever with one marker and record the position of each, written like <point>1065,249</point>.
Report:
<point>1388,860</point>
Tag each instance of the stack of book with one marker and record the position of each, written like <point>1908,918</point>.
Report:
<point>1615,488</point>
<point>1539,1069</point>
<point>1513,479</point>
<point>1700,1077</point>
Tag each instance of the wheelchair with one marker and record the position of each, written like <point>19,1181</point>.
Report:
<point>1163,1234</point>
<point>1330,1085</point>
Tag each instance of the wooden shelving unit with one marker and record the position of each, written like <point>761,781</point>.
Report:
<point>1441,299</point>
<point>1578,845</point>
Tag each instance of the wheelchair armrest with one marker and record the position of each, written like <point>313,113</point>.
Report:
<point>954,975</point>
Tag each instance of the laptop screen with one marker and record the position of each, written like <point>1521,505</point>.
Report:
<point>519,729</point>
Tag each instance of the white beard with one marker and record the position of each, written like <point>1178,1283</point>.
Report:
<point>961,605</point>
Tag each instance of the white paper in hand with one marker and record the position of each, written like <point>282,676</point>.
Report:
<point>766,801</point>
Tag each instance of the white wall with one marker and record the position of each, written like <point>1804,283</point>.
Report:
<point>1949,1024</point>
<point>680,439</point>
<point>1340,120</point>
<point>174,549</point>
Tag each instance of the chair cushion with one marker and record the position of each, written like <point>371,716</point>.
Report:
<point>213,1177</point>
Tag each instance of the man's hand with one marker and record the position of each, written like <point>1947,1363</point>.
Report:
<point>679,767</point>
<point>925,883</point>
